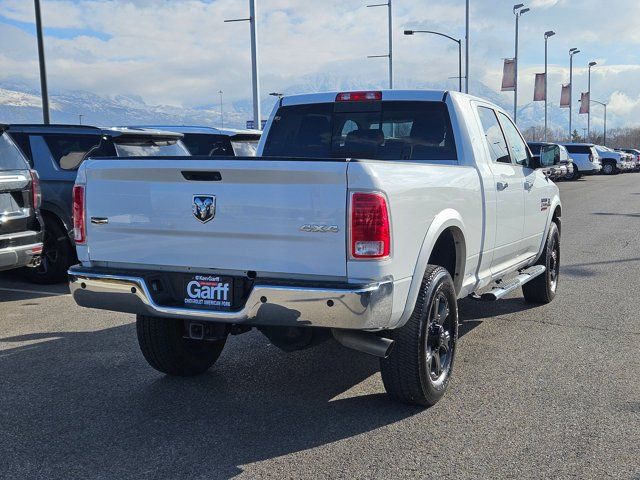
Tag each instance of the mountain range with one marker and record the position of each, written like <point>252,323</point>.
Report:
<point>20,103</point>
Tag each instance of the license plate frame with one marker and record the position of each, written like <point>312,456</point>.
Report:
<point>204,291</point>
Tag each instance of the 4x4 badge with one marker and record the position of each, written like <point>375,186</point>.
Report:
<point>204,207</point>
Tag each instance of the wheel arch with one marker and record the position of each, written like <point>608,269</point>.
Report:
<point>444,238</point>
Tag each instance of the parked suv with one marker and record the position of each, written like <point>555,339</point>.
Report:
<point>216,142</point>
<point>56,152</point>
<point>20,222</point>
<point>586,160</point>
<point>614,162</point>
<point>636,155</point>
<point>564,168</point>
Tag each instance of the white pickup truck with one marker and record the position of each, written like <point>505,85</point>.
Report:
<point>365,216</point>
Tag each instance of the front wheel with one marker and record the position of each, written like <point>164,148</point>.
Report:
<point>164,346</point>
<point>420,366</point>
<point>542,289</point>
<point>609,168</point>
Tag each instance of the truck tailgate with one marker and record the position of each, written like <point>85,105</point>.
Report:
<point>227,214</point>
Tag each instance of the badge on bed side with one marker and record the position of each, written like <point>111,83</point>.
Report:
<point>204,207</point>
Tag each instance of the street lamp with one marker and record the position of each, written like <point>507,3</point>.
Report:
<point>44,92</point>
<point>591,64</point>
<point>254,62</point>
<point>573,51</point>
<point>390,54</point>
<point>547,35</point>
<point>518,11</point>
<point>458,41</point>
<point>221,113</point>
<point>604,139</point>
<point>466,48</point>
<point>276,94</point>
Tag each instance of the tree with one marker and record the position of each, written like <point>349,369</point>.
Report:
<point>575,136</point>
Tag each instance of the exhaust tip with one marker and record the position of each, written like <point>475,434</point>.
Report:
<point>366,342</point>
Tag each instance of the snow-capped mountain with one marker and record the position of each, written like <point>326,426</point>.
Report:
<point>20,103</point>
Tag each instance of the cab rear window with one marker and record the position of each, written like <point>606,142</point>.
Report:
<point>398,130</point>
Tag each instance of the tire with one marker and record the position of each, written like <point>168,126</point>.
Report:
<point>57,255</point>
<point>574,175</point>
<point>164,348</point>
<point>415,372</point>
<point>609,168</point>
<point>542,289</point>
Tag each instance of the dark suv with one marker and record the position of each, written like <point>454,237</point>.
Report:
<point>20,222</point>
<point>56,152</point>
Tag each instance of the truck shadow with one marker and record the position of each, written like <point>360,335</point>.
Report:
<point>87,403</point>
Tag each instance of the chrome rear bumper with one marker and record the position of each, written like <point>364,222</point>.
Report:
<point>361,308</point>
<point>20,256</point>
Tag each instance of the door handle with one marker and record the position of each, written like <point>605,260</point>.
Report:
<point>528,186</point>
<point>99,220</point>
<point>502,186</point>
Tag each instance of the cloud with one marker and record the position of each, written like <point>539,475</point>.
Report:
<point>181,53</point>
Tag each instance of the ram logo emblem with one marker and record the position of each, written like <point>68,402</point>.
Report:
<point>309,228</point>
<point>204,207</point>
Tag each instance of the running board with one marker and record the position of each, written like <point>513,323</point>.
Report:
<point>503,289</point>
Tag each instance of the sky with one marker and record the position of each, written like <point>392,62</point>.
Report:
<point>181,53</point>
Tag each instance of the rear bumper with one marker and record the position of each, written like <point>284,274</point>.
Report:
<point>22,256</point>
<point>363,307</point>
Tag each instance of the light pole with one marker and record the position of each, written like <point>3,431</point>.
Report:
<point>572,52</point>
<point>466,47</point>
<point>43,70</point>
<point>390,54</point>
<point>257,122</point>
<point>221,112</point>
<point>518,11</point>
<point>591,64</point>
<point>604,139</point>
<point>548,34</point>
<point>458,41</point>
<point>80,118</point>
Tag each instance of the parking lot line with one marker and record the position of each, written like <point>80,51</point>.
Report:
<point>37,292</point>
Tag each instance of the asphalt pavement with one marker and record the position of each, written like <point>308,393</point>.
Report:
<point>539,391</point>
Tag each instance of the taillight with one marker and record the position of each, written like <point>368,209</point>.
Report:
<point>358,96</point>
<point>370,229</point>
<point>79,226</point>
<point>36,194</point>
<point>591,157</point>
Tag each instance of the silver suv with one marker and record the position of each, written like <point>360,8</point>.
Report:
<point>586,160</point>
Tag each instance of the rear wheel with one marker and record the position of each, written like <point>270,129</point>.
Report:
<point>419,368</point>
<point>164,346</point>
<point>575,175</point>
<point>542,289</point>
<point>57,255</point>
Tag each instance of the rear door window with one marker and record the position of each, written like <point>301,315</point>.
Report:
<point>11,157</point>
<point>517,145</point>
<point>393,130</point>
<point>493,134</point>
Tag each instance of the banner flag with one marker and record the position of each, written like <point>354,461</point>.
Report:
<point>509,75</point>
<point>538,91</point>
<point>584,102</point>
<point>565,96</point>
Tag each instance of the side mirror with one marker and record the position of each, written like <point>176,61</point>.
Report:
<point>549,156</point>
